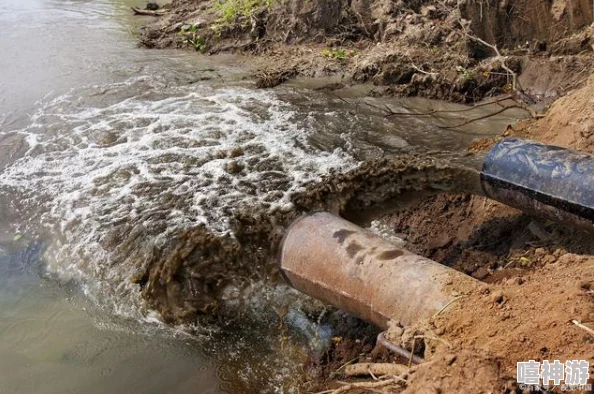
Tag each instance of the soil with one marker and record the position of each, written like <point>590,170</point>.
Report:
<point>406,47</point>
<point>538,276</point>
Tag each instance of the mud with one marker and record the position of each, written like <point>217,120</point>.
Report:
<point>188,276</point>
<point>408,48</point>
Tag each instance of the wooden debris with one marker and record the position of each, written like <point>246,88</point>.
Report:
<point>583,327</point>
<point>367,369</point>
<point>139,11</point>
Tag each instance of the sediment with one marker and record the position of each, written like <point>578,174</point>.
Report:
<point>189,275</point>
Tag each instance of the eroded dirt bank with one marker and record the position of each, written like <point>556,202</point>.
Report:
<point>444,50</point>
<point>538,277</point>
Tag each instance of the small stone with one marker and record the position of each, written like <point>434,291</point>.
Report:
<point>450,359</point>
<point>286,208</point>
<point>396,332</point>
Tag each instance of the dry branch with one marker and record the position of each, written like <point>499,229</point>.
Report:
<point>366,369</point>
<point>433,112</point>
<point>366,385</point>
<point>481,117</point>
<point>138,11</point>
<point>583,327</point>
<point>498,56</point>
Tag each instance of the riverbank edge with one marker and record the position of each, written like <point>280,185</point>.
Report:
<point>448,50</point>
<point>547,73</point>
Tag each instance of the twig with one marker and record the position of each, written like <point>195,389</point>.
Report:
<point>412,352</point>
<point>381,339</point>
<point>429,113</point>
<point>499,57</point>
<point>424,72</point>
<point>347,363</point>
<point>481,117</point>
<point>446,305</point>
<point>580,325</point>
<point>364,385</point>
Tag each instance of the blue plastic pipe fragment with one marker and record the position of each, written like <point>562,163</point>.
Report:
<point>541,180</point>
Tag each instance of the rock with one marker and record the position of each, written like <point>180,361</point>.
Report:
<point>497,297</point>
<point>152,6</point>
<point>481,273</point>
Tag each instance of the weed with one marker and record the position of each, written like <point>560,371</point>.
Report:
<point>197,42</point>
<point>231,10</point>
<point>466,74</point>
<point>339,54</point>
<point>191,37</point>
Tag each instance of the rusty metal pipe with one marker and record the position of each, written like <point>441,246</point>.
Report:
<point>346,266</point>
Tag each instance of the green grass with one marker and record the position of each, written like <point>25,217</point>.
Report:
<point>191,37</point>
<point>338,54</point>
<point>230,10</point>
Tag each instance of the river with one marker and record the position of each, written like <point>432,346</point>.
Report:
<point>108,151</point>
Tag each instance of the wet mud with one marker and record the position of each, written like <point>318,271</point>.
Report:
<point>189,275</point>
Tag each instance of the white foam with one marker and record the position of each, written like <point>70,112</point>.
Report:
<point>96,161</point>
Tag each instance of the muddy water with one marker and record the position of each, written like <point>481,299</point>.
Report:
<point>140,186</point>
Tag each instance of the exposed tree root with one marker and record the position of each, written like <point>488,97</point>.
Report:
<point>366,369</point>
<point>367,385</point>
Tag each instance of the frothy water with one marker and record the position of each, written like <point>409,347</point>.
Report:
<point>165,160</point>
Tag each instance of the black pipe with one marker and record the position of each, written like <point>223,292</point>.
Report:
<point>541,179</point>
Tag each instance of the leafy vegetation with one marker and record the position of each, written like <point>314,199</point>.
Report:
<point>192,38</point>
<point>231,10</point>
<point>339,54</point>
<point>465,74</point>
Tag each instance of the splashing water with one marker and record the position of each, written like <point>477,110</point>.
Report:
<point>153,164</point>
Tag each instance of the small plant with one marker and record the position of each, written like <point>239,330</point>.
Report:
<point>230,10</point>
<point>197,43</point>
<point>192,38</point>
<point>465,74</point>
<point>339,54</point>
